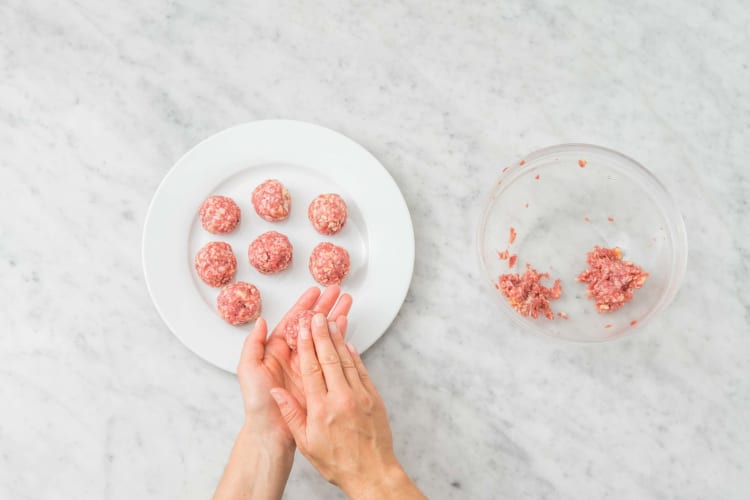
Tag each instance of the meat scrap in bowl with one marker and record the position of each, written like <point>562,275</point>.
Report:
<point>611,280</point>
<point>527,295</point>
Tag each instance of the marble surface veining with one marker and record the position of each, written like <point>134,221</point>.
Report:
<point>98,99</point>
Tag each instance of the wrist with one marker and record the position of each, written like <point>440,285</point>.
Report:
<point>258,467</point>
<point>388,483</point>
<point>279,442</point>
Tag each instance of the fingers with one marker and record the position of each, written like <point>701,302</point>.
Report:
<point>347,362</point>
<point>343,323</point>
<point>306,301</point>
<point>293,414</point>
<point>364,377</point>
<point>342,307</point>
<point>255,342</point>
<point>320,303</point>
<point>327,300</point>
<point>309,368</point>
<point>327,355</point>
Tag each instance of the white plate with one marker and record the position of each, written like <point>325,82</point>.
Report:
<point>308,160</point>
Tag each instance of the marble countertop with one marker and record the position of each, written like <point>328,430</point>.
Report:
<point>98,99</point>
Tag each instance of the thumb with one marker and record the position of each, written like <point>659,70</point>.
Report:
<point>255,344</point>
<point>292,413</point>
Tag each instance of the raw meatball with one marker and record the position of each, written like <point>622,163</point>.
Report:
<point>219,214</point>
<point>271,200</point>
<point>239,303</point>
<point>327,213</point>
<point>270,252</point>
<point>329,264</point>
<point>292,327</point>
<point>215,263</point>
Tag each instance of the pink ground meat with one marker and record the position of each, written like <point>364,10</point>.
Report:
<point>327,213</point>
<point>329,264</point>
<point>219,214</point>
<point>610,279</point>
<point>269,253</point>
<point>239,303</point>
<point>292,327</point>
<point>527,295</point>
<point>215,263</point>
<point>272,201</point>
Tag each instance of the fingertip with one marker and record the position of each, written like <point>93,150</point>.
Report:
<point>319,320</point>
<point>331,291</point>
<point>260,329</point>
<point>309,297</point>
<point>254,344</point>
<point>344,304</point>
<point>352,349</point>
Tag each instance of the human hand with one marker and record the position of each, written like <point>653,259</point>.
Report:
<point>342,428</point>
<point>268,362</point>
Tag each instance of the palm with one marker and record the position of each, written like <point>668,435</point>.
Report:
<point>270,363</point>
<point>283,363</point>
<point>256,381</point>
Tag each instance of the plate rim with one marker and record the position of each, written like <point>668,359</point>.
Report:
<point>409,246</point>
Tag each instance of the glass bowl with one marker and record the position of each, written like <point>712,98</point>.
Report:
<point>562,201</point>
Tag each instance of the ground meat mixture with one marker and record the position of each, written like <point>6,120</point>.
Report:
<point>292,327</point>
<point>329,264</point>
<point>610,279</point>
<point>215,263</point>
<point>272,201</point>
<point>327,213</point>
<point>219,214</point>
<point>239,303</point>
<point>270,252</point>
<point>527,295</point>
